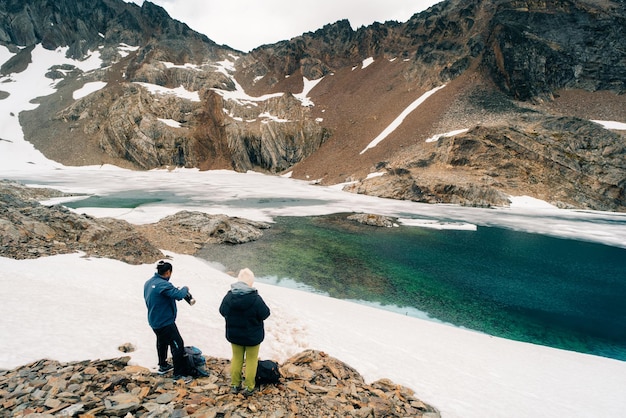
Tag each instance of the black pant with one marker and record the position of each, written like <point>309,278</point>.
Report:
<point>168,336</point>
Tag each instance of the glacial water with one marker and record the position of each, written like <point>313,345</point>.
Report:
<point>527,287</point>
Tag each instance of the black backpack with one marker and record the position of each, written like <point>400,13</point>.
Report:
<point>267,372</point>
<point>195,362</point>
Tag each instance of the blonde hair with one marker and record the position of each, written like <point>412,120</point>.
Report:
<point>247,276</point>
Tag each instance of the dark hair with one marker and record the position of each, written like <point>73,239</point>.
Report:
<point>163,267</point>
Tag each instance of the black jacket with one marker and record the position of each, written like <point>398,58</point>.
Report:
<point>245,311</point>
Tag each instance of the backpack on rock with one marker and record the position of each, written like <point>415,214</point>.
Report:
<point>267,372</point>
<point>195,362</point>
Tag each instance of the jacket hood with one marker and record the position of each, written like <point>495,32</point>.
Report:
<point>243,296</point>
<point>241,288</point>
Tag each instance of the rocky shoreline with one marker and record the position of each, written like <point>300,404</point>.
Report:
<point>29,229</point>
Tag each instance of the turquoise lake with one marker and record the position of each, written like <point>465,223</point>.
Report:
<point>535,288</point>
<point>557,292</point>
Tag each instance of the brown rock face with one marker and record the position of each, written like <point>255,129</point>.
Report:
<point>481,167</point>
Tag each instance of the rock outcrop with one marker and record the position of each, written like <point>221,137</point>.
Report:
<point>313,385</point>
<point>30,230</point>
<point>187,232</point>
<point>373,220</point>
<point>568,162</point>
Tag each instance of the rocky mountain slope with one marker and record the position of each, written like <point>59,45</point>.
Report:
<point>518,86</point>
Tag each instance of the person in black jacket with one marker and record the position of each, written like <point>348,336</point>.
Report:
<point>244,311</point>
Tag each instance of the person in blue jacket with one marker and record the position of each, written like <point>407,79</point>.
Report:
<point>161,296</point>
<point>244,311</point>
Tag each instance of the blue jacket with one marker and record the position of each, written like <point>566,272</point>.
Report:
<point>245,311</point>
<point>161,296</point>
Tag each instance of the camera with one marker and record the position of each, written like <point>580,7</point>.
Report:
<point>189,299</point>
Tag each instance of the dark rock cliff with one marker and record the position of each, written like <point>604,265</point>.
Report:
<point>529,48</point>
<point>84,26</point>
<point>537,47</point>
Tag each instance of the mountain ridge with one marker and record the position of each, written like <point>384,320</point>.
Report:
<point>510,69</point>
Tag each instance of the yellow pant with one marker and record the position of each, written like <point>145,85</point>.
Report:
<point>236,364</point>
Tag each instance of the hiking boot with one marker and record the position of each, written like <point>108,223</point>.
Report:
<point>248,392</point>
<point>235,390</point>
<point>164,369</point>
<point>185,379</point>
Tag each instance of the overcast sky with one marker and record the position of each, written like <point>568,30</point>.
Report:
<point>246,24</point>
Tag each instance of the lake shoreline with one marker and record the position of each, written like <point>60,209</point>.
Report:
<point>452,279</point>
